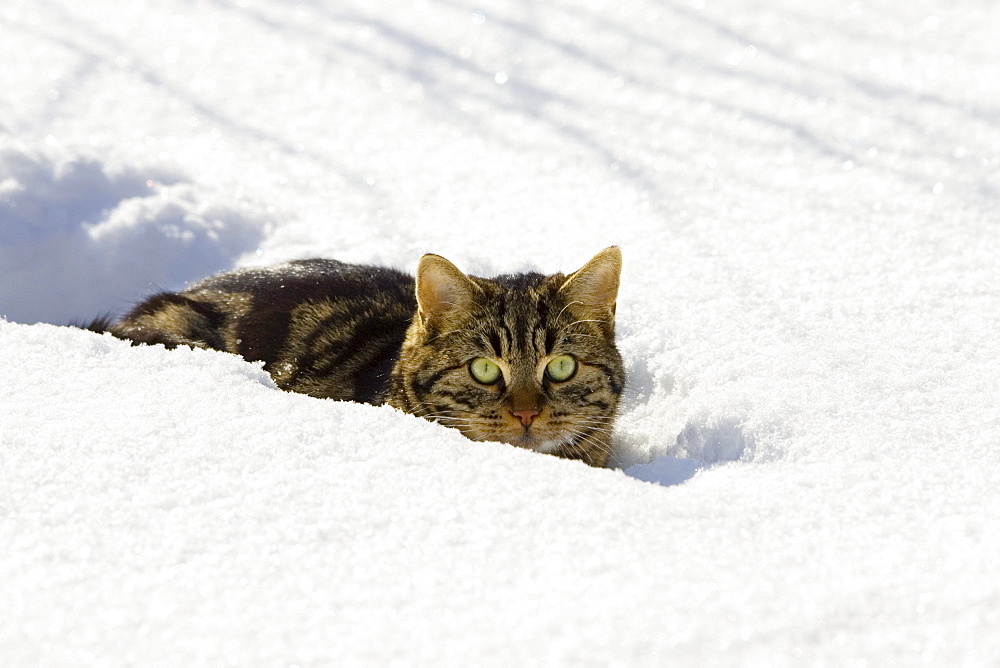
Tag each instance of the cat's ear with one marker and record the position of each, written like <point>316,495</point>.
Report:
<point>444,293</point>
<point>594,287</point>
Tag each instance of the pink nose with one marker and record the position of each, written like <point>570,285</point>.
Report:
<point>525,416</point>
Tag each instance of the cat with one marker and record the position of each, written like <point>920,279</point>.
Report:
<point>524,359</point>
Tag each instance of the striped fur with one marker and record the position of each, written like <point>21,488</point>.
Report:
<point>375,335</point>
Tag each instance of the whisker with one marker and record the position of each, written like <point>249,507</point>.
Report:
<point>566,307</point>
<point>591,441</point>
<point>562,329</point>
<point>592,420</point>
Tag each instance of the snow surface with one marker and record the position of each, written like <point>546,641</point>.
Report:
<point>806,196</point>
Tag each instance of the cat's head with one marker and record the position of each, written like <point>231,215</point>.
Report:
<point>524,359</point>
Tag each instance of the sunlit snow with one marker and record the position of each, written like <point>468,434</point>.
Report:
<point>806,197</point>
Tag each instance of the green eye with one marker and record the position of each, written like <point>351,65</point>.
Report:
<point>484,371</point>
<point>560,369</point>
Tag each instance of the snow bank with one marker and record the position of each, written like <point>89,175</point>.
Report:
<point>175,504</point>
<point>79,238</point>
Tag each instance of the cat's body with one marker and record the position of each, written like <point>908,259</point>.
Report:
<point>524,359</point>
<point>321,327</point>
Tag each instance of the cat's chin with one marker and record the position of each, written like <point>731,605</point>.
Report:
<point>536,443</point>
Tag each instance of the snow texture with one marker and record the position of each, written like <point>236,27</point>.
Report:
<point>806,198</point>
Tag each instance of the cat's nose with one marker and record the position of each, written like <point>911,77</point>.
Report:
<point>526,416</point>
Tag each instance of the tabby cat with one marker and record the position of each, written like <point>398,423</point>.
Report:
<point>524,359</point>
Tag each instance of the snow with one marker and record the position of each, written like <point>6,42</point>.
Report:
<point>805,196</point>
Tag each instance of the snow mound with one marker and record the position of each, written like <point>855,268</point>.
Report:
<point>108,234</point>
<point>192,493</point>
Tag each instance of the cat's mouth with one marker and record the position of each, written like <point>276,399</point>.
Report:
<point>531,441</point>
<point>537,438</point>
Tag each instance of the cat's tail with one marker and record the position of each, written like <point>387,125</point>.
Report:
<point>100,324</point>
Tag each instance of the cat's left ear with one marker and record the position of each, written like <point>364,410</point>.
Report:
<point>444,293</point>
<point>594,287</point>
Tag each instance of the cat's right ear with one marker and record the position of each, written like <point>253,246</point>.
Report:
<point>594,287</point>
<point>444,293</point>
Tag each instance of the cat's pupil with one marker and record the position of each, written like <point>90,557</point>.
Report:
<point>561,368</point>
<point>484,371</point>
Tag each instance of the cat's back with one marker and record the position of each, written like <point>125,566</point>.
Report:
<point>301,280</point>
<point>322,327</point>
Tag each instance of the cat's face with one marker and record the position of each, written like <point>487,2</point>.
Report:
<point>528,360</point>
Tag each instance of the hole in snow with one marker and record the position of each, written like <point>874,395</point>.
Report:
<point>725,440</point>
<point>698,446</point>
